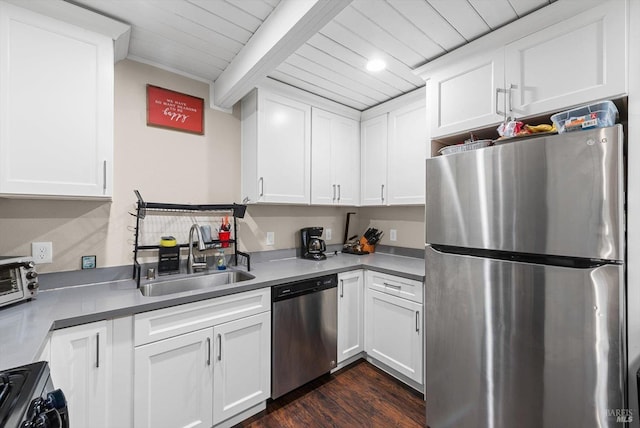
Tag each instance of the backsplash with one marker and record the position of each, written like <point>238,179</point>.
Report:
<point>286,221</point>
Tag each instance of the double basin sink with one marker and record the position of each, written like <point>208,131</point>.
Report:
<point>191,283</point>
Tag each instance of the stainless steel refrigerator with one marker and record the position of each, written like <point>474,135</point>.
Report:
<point>525,290</point>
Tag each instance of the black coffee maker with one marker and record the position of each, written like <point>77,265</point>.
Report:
<point>313,246</point>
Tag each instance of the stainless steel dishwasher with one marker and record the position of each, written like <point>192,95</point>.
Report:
<point>304,332</point>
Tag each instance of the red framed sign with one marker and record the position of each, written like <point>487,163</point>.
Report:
<point>173,110</point>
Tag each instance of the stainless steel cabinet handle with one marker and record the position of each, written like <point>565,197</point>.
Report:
<point>397,287</point>
<point>219,347</point>
<point>342,288</point>
<point>511,88</point>
<point>104,177</point>
<point>339,193</point>
<point>382,192</point>
<point>334,192</point>
<point>261,181</point>
<point>208,351</point>
<point>97,350</point>
<point>418,321</point>
<point>498,92</point>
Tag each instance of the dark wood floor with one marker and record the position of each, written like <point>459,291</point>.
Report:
<point>359,395</point>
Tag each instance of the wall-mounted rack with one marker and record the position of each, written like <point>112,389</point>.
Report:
<point>149,208</point>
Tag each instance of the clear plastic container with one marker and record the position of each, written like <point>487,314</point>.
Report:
<point>221,263</point>
<point>596,115</point>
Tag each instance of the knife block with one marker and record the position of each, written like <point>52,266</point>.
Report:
<point>366,246</point>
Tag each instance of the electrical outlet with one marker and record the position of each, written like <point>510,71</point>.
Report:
<point>393,235</point>
<point>327,234</point>
<point>42,252</point>
<point>271,238</point>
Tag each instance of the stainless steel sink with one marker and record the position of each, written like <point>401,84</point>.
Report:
<point>164,287</point>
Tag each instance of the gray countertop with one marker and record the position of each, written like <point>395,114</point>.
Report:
<point>25,326</point>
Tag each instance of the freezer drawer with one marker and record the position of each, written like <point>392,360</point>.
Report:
<point>560,195</point>
<point>518,344</point>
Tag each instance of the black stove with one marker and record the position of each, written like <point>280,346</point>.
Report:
<point>28,399</point>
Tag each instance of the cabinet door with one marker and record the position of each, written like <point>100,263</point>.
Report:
<point>173,384</point>
<point>323,187</point>
<point>80,367</point>
<point>393,332</point>
<point>284,150</point>
<point>408,142</point>
<point>345,159</point>
<point>467,95</point>
<point>335,159</point>
<point>350,315</point>
<point>373,167</point>
<point>56,108</point>
<point>579,60</point>
<point>241,365</point>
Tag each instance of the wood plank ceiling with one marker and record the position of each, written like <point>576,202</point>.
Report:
<point>201,38</point>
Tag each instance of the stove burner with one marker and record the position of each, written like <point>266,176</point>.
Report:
<point>27,399</point>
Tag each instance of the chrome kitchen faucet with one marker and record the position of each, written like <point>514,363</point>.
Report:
<point>192,265</point>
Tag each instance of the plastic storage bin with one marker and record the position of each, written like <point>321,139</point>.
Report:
<point>474,145</point>
<point>596,115</point>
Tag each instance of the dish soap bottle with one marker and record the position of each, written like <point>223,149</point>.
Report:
<point>220,262</point>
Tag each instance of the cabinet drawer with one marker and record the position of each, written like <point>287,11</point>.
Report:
<point>169,322</point>
<point>406,288</point>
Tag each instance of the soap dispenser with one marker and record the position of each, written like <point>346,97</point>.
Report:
<point>220,260</point>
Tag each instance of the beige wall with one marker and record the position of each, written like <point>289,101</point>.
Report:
<point>407,220</point>
<point>172,166</point>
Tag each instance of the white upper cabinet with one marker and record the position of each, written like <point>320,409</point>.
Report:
<point>56,107</point>
<point>579,60</point>
<point>393,142</point>
<point>567,59</point>
<point>373,134</point>
<point>408,142</point>
<point>335,155</point>
<point>467,94</point>
<point>276,149</point>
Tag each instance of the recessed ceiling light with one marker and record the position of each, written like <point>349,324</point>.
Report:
<point>376,65</point>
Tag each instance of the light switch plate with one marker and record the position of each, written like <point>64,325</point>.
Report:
<point>393,235</point>
<point>327,234</point>
<point>270,238</point>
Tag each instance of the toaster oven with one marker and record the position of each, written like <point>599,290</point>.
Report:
<point>18,279</point>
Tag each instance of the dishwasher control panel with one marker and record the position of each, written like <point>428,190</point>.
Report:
<point>292,289</point>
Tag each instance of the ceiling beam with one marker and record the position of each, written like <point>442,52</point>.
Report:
<point>287,28</point>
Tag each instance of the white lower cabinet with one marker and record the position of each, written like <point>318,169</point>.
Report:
<point>174,382</point>
<point>350,314</point>
<point>393,331</point>
<point>200,364</point>
<point>81,367</point>
<point>241,365</point>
